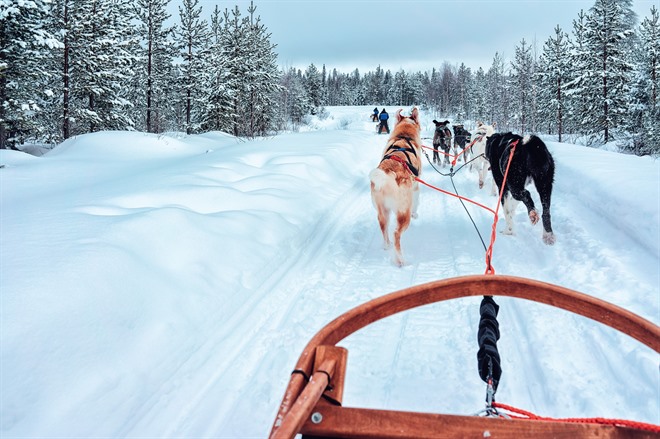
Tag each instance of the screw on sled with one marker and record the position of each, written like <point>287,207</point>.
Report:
<point>312,403</point>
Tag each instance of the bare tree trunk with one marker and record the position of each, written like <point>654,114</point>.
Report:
<point>560,121</point>
<point>150,38</point>
<point>188,91</point>
<point>66,124</point>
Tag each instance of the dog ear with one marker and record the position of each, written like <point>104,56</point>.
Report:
<point>494,124</point>
<point>479,123</point>
<point>435,122</point>
<point>398,115</point>
<point>415,115</point>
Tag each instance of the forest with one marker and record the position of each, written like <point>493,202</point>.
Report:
<point>70,67</point>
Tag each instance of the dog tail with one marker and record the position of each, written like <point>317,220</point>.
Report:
<point>378,178</point>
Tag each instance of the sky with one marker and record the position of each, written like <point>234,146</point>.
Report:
<point>414,35</point>
<point>163,286</point>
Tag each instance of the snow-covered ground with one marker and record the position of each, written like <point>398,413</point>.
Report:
<point>164,286</point>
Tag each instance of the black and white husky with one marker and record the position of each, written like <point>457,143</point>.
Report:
<point>531,162</point>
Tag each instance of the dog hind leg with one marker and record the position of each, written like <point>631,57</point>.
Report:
<point>509,205</point>
<point>383,221</point>
<point>545,192</point>
<point>403,221</point>
<point>524,196</point>
<point>415,200</point>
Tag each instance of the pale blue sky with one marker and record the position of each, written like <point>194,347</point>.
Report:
<point>410,34</point>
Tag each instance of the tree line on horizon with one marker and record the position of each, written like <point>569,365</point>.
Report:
<point>70,67</point>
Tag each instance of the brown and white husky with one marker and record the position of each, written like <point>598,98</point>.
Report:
<point>393,185</point>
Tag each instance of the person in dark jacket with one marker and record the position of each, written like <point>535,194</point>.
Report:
<point>374,116</point>
<point>383,126</point>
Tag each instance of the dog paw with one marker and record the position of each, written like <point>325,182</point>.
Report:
<point>481,184</point>
<point>549,238</point>
<point>533,217</point>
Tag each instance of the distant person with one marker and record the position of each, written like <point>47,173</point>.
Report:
<point>374,116</point>
<point>382,117</point>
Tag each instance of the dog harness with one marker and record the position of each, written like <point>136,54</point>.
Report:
<point>395,148</point>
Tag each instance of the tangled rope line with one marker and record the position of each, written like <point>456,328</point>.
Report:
<point>493,236</point>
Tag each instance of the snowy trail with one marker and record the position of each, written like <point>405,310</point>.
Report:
<point>181,291</point>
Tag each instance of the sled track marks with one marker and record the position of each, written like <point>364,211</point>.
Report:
<point>222,364</point>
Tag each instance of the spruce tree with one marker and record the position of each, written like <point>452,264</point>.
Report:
<point>263,78</point>
<point>99,65</point>
<point>479,97</point>
<point>25,52</point>
<point>644,114</point>
<point>153,74</point>
<point>521,81</point>
<point>312,81</point>
<point>552,77</point>
<point>580,75</point>
<point>462,93</point>
<point>608,34</point>
<point>192,41</point>
<point>218,102</point>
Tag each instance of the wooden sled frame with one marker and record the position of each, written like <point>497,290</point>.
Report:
<point>312,402</point>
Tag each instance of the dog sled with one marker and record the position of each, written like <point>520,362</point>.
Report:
<point>312,403</point>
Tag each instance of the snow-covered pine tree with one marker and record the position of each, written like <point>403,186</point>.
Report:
<point>353,88</point>
<point>263,78</point>
<point>644,114</point>
<point>446,89</point>
<point>433,90</point>
<point>99,64</point>
<point>25,54</point>
<point>607,89</point>
<point>218,104</point>
<point>462,93</point>
<point>153,73</point>
<point>293,98</point>
<point>333,87</point>
<point>577,118</point>
<point>415,89</point>
<point>235,54</point>
<point>324,86</point>
<point>192,40</point>
<point>521,85</point>
<point>312,82</point>
<point>497,98</point>
<point>552,76</point>
<point>479,97</point>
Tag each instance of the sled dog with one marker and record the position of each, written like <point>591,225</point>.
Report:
<point>479,148</point>
<point>461,140</point>
<point>441,142</point>
<point>531,162</point>
<point>393,185</point>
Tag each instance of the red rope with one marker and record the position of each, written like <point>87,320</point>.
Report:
<point>493,235</point>
<point>455,157</point>
<point>454,195</point>
<point>605,421</point>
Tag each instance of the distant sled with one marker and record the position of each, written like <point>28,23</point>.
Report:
<point>312,403</point>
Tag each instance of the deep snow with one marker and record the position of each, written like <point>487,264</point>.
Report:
<point>164,286</point>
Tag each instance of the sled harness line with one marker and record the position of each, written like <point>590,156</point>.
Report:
<point>455,157</point>
<point>522,414</point>
<point>493,236</point>
<point>452,172</point>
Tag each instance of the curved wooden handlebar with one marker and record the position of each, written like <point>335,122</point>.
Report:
<point>466,286</point>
